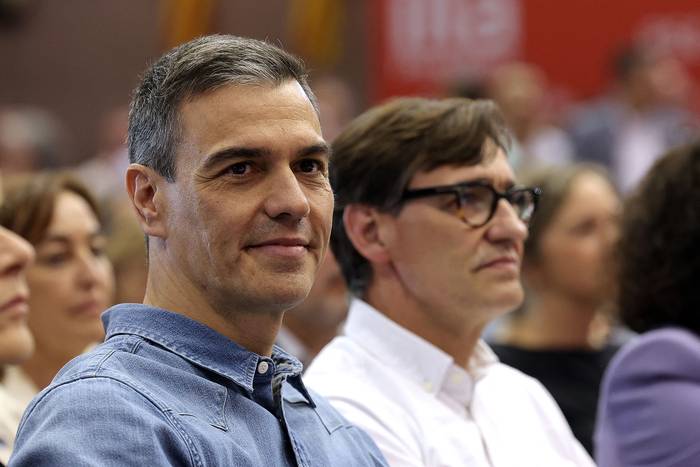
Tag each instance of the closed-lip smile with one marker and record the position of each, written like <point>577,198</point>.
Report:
<point>505,260</point>
<point>281,247</point>
<point>282,241</point>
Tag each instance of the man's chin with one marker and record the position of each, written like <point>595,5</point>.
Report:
<point>288,301</point>
<point>509,299</point>
<point>286,294</point>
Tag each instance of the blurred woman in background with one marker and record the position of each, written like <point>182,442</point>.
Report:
<point>559,336</point>
<point>16,342</point>
<point>71,280</point>
<point>650,400</point>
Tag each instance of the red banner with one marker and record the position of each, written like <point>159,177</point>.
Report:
<point>423,47</point>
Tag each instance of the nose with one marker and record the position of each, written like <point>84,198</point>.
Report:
<point>15,253</point>
<point>286,199</point>
<point>506,225</point>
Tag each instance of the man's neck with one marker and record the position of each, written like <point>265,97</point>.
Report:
<point>254,330</point>
<point>455,339</point>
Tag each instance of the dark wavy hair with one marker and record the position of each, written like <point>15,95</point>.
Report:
<point>30,200</point>
<point>659,263</point>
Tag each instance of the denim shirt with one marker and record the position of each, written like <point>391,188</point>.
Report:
<point>164,390</point>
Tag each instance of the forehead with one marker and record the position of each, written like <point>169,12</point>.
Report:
<point>71,212</point>
<point>589,192</point>
<point>272,117</point>
<point>494,169</point>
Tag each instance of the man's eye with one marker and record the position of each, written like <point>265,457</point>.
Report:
<point>239,168</point>
<point>472,196</point>
<point>450,202</point>
<point>311,166</point>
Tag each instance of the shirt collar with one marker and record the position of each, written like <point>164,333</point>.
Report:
<point>429,366</point>
<point>198,343</point>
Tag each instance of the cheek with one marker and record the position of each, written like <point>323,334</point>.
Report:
<point>430,250</point>
<point>406,244</point>
<point>48,286</point>
<point>49,300</point>
<point>212,225</point>
<point>574,264</point>
<point>220,218</point>
<point>321,202</point>
<point>567,255</point>
<point>186,223</point>
<point>324,201</point>
<point>583,253</point>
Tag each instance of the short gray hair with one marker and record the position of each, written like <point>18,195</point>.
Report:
<point>192,69</point>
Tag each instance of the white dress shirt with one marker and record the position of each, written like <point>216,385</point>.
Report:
<point>423,410</point>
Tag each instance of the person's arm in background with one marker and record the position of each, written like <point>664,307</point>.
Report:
<point>649,411</point>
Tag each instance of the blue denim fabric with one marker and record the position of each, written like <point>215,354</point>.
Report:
<point>164,390</point>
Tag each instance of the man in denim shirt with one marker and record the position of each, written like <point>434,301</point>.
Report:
<point>229,180</point>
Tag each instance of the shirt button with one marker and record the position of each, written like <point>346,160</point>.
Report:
<point>263,367</point>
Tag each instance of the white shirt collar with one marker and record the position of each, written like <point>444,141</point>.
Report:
<point>430,367</point>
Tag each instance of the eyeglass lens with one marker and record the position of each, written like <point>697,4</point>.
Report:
<point>477,204</point>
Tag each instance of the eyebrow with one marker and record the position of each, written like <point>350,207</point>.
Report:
<point>227,154</point>
<point>243,152</point>
<point>318,148</point>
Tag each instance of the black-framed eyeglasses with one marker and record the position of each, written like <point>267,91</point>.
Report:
<point>477,201</point>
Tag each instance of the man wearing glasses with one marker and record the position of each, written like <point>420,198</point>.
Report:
<point>428,229</point>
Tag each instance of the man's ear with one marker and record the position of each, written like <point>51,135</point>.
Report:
<point>361,224</point>
<point>143,185</point>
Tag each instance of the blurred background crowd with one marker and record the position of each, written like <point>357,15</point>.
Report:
<point>593,98</point>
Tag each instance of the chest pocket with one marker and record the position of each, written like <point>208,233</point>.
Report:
<point>205,401</point>
<point>298,409</point>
